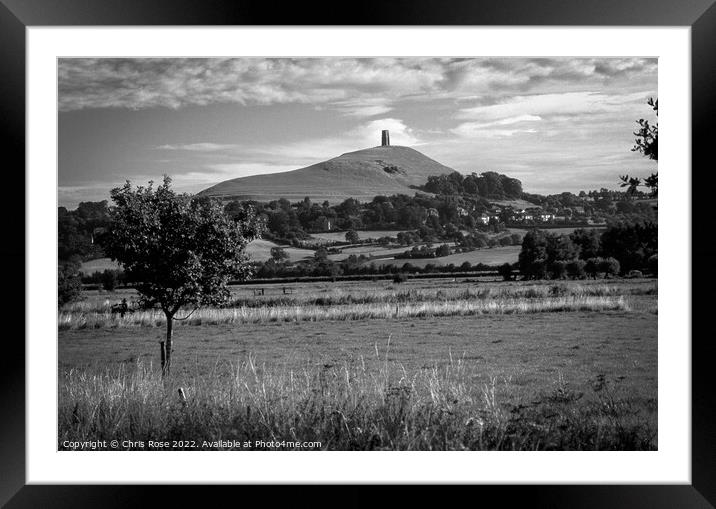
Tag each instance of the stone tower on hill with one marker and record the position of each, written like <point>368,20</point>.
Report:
<point>385,141</point>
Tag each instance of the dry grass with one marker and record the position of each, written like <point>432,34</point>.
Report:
<point>364,406</point>
<point>268,314</point>
<point>332,295</point>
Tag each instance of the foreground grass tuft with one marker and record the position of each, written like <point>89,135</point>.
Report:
<point>368,405</point>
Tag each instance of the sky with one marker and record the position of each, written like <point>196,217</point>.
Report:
<point>557,124</point>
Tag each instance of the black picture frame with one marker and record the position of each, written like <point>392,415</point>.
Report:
<point>700,15</point>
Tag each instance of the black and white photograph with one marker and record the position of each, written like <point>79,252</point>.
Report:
<point>357,254</point>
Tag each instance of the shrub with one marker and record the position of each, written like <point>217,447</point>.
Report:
<point>592,267</point>
<point>558,269</point>
<point>69,284</point>
<point>575,269</point>
<point>610,266</point>
<point>400,277</point>
<point>505,270</point>
<point>352,237</point>
<point>110,279</point>
<point>635,274</point>
<point>443,250</point>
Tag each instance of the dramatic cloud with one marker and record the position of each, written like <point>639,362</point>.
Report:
<point>354,86</point>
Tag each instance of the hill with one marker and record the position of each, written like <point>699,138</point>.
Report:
<point>362,174</point>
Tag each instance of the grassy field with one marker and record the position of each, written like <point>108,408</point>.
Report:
<point>260,250</point>
<point>98,265</point>
<point>559,231</point>
<point>340,236</point>
<point>488,256</point>
<point>476,375</point>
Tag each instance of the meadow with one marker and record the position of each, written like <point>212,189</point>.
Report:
<point>489,256</point>
<point>422,365</point>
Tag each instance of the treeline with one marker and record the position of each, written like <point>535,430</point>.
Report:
<point>489,184</point>
<point>622,248</point>
<point>79,231</point>
<point>434,216</point>
<point>354,265</point>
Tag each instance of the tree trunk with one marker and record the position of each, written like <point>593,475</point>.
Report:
<point>167,346</point>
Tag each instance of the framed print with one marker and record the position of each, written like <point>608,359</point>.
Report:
<point>420,248</point>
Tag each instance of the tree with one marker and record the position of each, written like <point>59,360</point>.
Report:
<point>587,241</point>
<point>558,269</point>
<point>69,284</point>
<point>352,237</point>
<point>442,250</point>
<point>610,266</point>
<point>178,250</point>
<point>630,242</point>
<point>110,279</point>
<point>646,142</point>
<point>278,254</point>
<point>575,269</point>
<point>592,267</point>
<point>533,256</point>
<point>505,270</point>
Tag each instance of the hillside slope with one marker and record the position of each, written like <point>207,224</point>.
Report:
<point>362,175</point>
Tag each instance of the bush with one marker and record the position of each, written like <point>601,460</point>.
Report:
<point>592,267</point>
<point>558,269</point>
<point>610,266</point>
<point>505,270</point>
<point>575,269</point>
<point>110,279</point>
<point>443,250</point>
<point>69,283</point>
<point>635,274</point>
<point>400,277</point>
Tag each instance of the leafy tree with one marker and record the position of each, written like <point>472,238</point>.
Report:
<point>109,280</point>
<point>540,250</point>
<point>533,256</point>
<point>178,250</point>
<point>69,283</point>
<point>587,241</point>
<point>321,254</point>
<point>558,269</point>
<point>575,269</point>
<point>592,267</point>
<point>632,243</point>
<point>610,266</point>
<point>352,236</point>
<point>278,254</point>
<point>442,250</point>
<point>646,142</point>
<point>505,270</point>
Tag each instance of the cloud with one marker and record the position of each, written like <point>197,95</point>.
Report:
<point>175,83</point>
<point>564,104</point>
<point>360,87</point>
<point>496,128</point>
